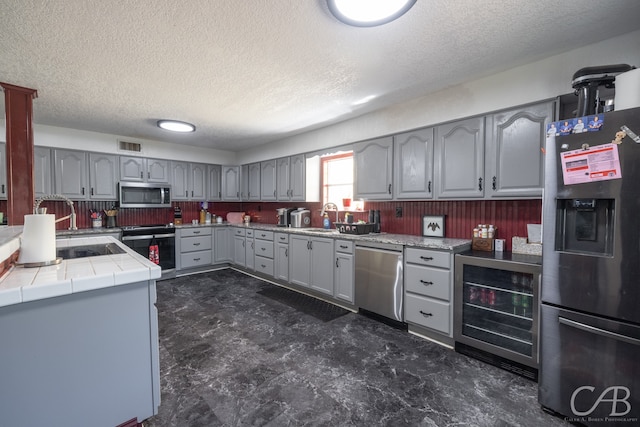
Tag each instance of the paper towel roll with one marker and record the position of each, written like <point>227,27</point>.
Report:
<point>38,239</point>
<point>627,90</point>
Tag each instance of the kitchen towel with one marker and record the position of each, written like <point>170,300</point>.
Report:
<point>38,239</point>
<point>627,90</point>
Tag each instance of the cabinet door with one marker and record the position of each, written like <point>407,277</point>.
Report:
<point>344,276</point>
<point>299,260</point>
<point>282,262</point>
<point>180,180</point>
<point>103,176</point>
<point>231,183</point>
<point>157,171</point>
<point>373,164</point>
<point>253,192</point>
<point>250,249</point>
<point>413,167</point>
<point>268,180</point>
<point>459,159</point>
<point>222,244</point>
<point>71,174</point>
<point>321,263</point>
<point>244,182</point>
<point>42,171</point>
<point>239,253</point>
<point>515,161</point>
<point>3,171</point>
<point>298,178</point>
<point>214,178</point>
<point>283,186</point>
<point>197,181</point>
<point>132,169</point>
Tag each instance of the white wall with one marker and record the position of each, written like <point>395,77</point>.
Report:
<point>540,80</point>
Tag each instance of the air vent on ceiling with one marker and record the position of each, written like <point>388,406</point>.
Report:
<point>129,146</point>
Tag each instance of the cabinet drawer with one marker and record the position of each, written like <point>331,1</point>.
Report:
<point>264,265</point>
<point>264,248</point>
<point>196,243</point>
<point>431,282</point>
<point>344,246</point>
<point>239,232</point>
<point>264,235</point>
<point>201,231</point>
<point>428,257</point>
<point>195,259</point>
<point>428,312</point>
<point>250,232</point>
<point>282,238</point>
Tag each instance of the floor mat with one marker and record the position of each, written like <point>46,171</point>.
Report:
<point>312,306</point>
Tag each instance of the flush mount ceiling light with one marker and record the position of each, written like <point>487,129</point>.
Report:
<point>176,126</point>
<point>369,13</point>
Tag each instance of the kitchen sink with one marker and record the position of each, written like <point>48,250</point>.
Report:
<point>89,250</point>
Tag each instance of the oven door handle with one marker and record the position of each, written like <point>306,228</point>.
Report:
<point>598,331</point>
<point>164,236</point>
<point>145,237</point>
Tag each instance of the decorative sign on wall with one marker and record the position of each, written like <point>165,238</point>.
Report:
<point>433,225</point>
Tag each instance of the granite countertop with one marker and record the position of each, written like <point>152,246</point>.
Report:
<point>21,284</point>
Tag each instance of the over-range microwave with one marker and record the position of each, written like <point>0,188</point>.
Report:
<point>144,195</point>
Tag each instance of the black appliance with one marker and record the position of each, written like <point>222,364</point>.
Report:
<point>587,83</point>
<point>143,195</point>
<point>284,216</point>
<point>590,321</point>
<point>142,238</point>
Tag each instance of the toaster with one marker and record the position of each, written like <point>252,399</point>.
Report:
<point>301,218</point>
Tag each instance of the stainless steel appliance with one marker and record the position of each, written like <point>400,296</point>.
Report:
<point>300,218</point>
<point>141,238</point>
<point>590,316</point>
<point>284,216</point>
<point>144,195</point>
<point>379,287</point>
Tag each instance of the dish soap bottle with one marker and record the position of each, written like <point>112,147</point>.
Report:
<point>326,223</point>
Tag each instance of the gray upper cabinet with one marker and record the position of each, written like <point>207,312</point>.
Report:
<point>373,164</point>
<point>268,177</point>
<point>3,171</point>
<point>515,161</point>
<point>42,171</point>
<point>140,169</point>
<point>413,164</point>
<point>459,159</point>
<point>231,183</point>
<point>71,177</point>
<point>103,176</point>
<point>253,184</point>
<point>188,181</point>
<point>214,182</point>
<point>291,178</point>
<point>198,181</point>
<point>244,182</point>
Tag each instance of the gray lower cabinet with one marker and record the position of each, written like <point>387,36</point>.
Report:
<point>264,252</point>
<point>373,169</point>
<point>250,249</point>
<point>309,260</point>
<point>413,164</point>
<point>344,270</point>
<point>428,286</point>
<point>514,156</point>
<point>239,247</point>
<point>459,159</point>
<point>194,247</point>
<point>281,256</point>
<point>223,241</point>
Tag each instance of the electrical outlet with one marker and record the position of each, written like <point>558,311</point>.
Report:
<point>398,211</point>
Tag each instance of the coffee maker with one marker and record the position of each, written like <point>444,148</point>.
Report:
<point>284,216</point>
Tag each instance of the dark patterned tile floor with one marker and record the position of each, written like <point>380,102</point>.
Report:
<point>230,356</point>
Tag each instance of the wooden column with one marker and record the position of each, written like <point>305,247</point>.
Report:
<point>18,104</point>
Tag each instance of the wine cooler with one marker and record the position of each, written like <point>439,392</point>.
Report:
<point>496,309</point>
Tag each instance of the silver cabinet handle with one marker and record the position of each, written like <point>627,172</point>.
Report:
<point>598,331</point>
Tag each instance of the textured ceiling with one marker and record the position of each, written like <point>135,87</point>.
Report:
<point>250,72</point>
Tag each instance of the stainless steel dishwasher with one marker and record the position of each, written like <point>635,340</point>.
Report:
<point>379,280</point>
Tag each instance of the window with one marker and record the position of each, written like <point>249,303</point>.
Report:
<point>337,178</point>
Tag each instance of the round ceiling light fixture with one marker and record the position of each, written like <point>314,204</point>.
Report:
<point>369,13</point>
<point>176,126</point>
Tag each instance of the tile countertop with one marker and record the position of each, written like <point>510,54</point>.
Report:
<point>22,284</point>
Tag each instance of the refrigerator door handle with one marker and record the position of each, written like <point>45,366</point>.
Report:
<point>598,331</point>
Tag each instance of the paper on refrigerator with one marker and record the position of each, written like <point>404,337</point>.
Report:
<point>599,163</point>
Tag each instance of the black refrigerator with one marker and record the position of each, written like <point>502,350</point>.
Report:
<point>590,288</point>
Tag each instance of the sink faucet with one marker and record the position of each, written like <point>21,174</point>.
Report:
<point>71,217</point>
<point>328,204</point>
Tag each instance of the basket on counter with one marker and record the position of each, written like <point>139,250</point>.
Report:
<point>354,228</point>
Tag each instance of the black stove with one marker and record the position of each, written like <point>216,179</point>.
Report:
<point>138,230</point>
